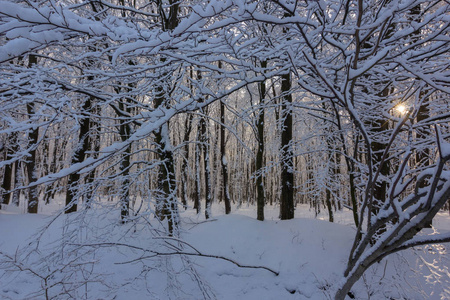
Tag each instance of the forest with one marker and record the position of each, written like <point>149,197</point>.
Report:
<point>124,116</point>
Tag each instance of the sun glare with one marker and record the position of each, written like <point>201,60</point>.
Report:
<point>401,109</point>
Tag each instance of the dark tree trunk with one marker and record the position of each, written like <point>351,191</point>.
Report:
<point>207,167</point>
<point>56,165</point>
<point>423,155</point>
<point>166,201</point>
<point>379,127</point>
<point>379,189</point>
<point>287,159</point>
<point>197,193</point>
<point>33,135</point>
<point>10,149</point>
<point>329,206</point>
<point>94,147</point>
<point>78,156</point>
<point>18,181</point>
<point>337,173</point>
<point>46,157</point>
<point>184,165</point>
<point>166,205</point>
<point>6,185</point>
<point>33,197</point>
<point>332,169</point>
<point>353,197</point>
<point>260,154</point>
<point>378,147</point>
<point>204,146</point>
<point>125,163</point>
<point>224,161</point>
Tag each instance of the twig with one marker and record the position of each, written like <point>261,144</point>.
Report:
<point>157,253</point>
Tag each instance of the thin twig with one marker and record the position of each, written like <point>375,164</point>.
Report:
<point>157,253</point>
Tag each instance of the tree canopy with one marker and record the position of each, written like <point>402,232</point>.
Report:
<point>336,103</point>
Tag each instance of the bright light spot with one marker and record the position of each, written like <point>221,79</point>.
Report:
<point>401,109</point>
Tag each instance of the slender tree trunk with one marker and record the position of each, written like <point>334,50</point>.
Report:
<point>58,158</point>
<point>184,165</point>
<point>18,181</point>
<point>197,194</point>
<point>423,155</point>
<point>331,142</point>
<point>260,154</point>
<point>33,135</point>
<point>329,206</point>
<point>328,196</point>
<point>224,161</point>
<point>46,156</point>
<point>125,164</point>
<point>207,167</point>
<point>6,185</point>
<point>94,147</point>
<point>287,159</point>
<point>337,172</point>
<point>353,197</point>
<point>33,197</point>
<point>8,175</point>
<point>275,176</point>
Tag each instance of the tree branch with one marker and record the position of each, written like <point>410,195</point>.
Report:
<point>158,253</point>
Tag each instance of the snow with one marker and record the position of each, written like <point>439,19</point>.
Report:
<point>309,255</point>
<point>369,64</point>
<point>16,47</point>
<point>445,150</point>
<point>224,160</point>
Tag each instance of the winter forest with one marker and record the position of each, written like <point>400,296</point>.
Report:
<point>224,149</point>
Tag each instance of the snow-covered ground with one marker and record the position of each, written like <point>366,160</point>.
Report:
<point>92,256</point>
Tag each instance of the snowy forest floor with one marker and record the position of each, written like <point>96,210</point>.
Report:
<point>92,256</point>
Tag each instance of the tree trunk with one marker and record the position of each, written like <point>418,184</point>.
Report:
<point>125,164</point>
<point>260,152</point>
<point>224,161</point>
<point>46,157</point>
<point>329,206</point>
<point>197,193</point>
<point>166,205</point>
<point>379,188</point>
<point>378,147</point>
<point>79,155</point>
<point>33,135</point>
<point>422,155</point>
<point>94,147</point>
<point>6,185</point>
<point>10,149</point>
<point>184,165</point>
<point>287,159</point>
<point>18,181</point>
<point>207,167</point>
